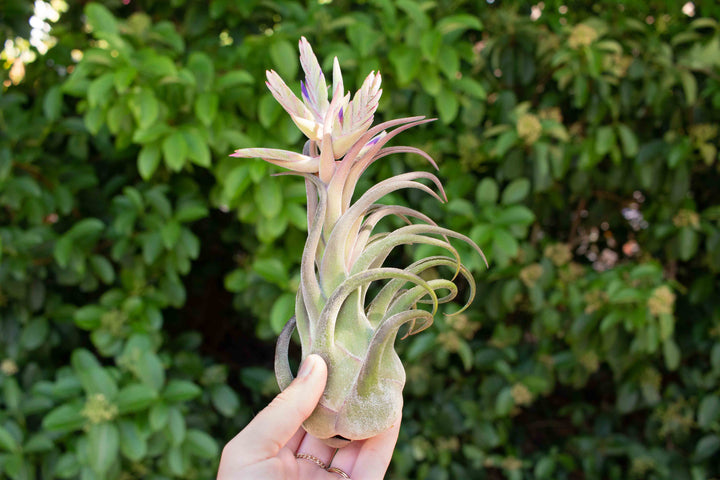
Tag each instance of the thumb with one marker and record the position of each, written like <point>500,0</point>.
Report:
<point>275,425</point>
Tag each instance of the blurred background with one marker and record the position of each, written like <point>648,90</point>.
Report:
<point>144,274</point>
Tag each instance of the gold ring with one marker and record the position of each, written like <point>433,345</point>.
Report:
<point>339,472</point>
<point>312,458</point>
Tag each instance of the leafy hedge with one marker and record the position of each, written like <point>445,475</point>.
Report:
<point>144,273</point>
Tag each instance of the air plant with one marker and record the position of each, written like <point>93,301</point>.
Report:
<point>343,257</point>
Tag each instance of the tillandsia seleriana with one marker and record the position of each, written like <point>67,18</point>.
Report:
<point>343,257</point>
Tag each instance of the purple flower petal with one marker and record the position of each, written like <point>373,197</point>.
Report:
<point>304,90</point>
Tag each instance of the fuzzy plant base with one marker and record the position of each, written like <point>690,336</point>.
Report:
<point>343,256</point>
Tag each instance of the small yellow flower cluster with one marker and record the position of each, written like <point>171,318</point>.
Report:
<point>582,35</point>
<point>451,444</point>
<point>590,361</point>
<point>573,272</point>
<point>661,301</point>
<point>651,378</point>
<point>686,218</point>
<point>521,395</point>
<point>641,466</point>
<point>113,321</point>
<point>676,419</point>
<point>462,324</point>
<point>8,367</point>
<point>703,132</point>
<point>559,253</point>
<point>595,300</point>
<point>617,64</point>
<point>529,128</point>
<point>130,360</point>
<point>511,463</point>
<point>99,409</point>
<point>531,274</point>
<point>551,113</point>
<point>449,340</point>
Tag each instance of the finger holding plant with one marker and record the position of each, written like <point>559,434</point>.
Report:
<point>343,257</point>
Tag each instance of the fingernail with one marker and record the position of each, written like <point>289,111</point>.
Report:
<point>307,366</point>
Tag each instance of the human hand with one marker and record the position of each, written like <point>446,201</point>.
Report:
<point>269,446</point>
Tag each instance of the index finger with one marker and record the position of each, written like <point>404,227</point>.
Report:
<point>277,423</point>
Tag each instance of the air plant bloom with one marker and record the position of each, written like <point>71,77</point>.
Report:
<point>343,257</point>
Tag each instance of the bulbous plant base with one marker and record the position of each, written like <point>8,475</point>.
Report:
<point>355,416</point>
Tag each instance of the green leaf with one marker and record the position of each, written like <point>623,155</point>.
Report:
<point>67,466</point>
<point>449,63</point>
<point>145,108</point>
<point>175,151</point>
<point>66,417</point>
<point>671,352</point>
<point>203,69</point>
<point>7,441</point>
<point>34,333</point>
<point>198,150</point>
<point>689,85</point>
<point>706,447</point>
<point>170,233</point>
<point>39,443</point>
<point>93,377</point>
<point>100,19</point>
<point>134,398</point>
<point>628,140</point>
<point>234,79</point>
<point>456,24</point>
<point>472,87</point>
<point>268,110</point>
<point>516,191</point>
<point>487,192</point>
<point>201,444</point>
<point>133,444</point>
<point>158,417</point>
<point>282,310</point>
<point>99,92</point>
<point>148,160</point>
<point>206,107</point>
<point>284,58</point>
<point>224,399</point>
<point>181,391</point>
<point>709,411</point>
<point>688,241</point>
<point>102,268</point>
<point>176,426</point>
<point>150,370</point>
<point>504,402</point>
<point>103,446</point>
<point>515,215</point>
<point>447,105</point>
<point>176,461</point>
<point>269,197</point>
<point>504,241</point>
<point>52,103</point>
<point>406,63</point>
<point>272,270</point>
<point>604,140</point>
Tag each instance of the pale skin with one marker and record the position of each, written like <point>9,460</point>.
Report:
<point>266,448</point>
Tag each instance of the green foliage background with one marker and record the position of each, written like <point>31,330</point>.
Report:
<point>144,273</point>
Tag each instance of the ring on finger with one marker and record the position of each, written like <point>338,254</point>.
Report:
<point>313,459</point>
<point>338,472</point>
